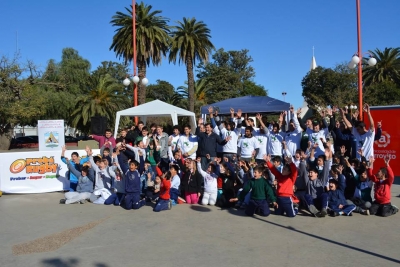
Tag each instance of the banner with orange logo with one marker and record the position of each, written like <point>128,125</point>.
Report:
<point>389,143</point>
<point>34,172</point>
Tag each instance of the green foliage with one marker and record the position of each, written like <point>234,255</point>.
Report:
<point>382,94</point>
<point>330,87</point>
<point>161,90</point>
<point>152,39</point>
<point>229,75</point>
<point>105,99</point>
<point>75,70</point>
<point>190,41</point>
<point>251,88</point>
<point>387,67</point>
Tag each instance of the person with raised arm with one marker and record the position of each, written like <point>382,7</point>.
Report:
<point>77,163</point>
<point>383,181</point>
<point>364,138</point>
<point>104,138</point>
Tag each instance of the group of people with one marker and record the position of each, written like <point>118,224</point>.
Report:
<point>285,166</point>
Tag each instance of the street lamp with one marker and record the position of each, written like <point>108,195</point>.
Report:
<point>135,78</point>
<point>284,94</point>
<point>357,60</point>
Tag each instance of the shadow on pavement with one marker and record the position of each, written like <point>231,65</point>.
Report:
<point>71,262</point>
<point>200,208</point>
<point>330,241</point>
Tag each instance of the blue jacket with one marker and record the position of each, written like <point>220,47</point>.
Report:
<point>336,198</point>
<point>132,182</point>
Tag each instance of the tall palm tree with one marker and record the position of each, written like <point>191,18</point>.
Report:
<point>190,41</point>
<point>387,67</point>
<point>105,99</point>
<point>200,92</point>
<point>152,39</point>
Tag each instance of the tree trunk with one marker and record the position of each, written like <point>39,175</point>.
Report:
<point>141,88</point>
<point>5,140</point>
<point>189,70</point>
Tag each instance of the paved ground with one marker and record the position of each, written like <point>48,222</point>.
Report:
<point>102,236</point>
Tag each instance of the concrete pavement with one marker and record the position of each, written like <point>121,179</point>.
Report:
<point>187,235</point>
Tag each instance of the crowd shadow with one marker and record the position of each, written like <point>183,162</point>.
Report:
<point>200,208</point>
<point>68,262</point>
<point>290,228</point>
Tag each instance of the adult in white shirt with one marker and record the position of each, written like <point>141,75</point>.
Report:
<point>262,139</point>
<point>187,143</point>
<point>275,138</point>
<point>248,146</point>
<point>294,135</point>
<point>227,129</point>
<point>365,138</point>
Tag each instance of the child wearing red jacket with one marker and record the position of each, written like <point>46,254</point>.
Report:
<point>383,182</point>
<point>285,182</point>
<point>164,202</point>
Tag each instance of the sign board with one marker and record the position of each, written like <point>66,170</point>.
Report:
<point>389,143</point>
<point>35,172</point>
<point>51,135</point>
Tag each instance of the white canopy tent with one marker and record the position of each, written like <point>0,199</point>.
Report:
<point>155,108</point>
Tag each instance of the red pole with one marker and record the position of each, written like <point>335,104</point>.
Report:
<point>135,100</point>
<point>360,80</point>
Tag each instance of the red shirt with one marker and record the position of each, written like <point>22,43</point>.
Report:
<point>285,182</point>
<point>164,190</point>
<point>382,189</point>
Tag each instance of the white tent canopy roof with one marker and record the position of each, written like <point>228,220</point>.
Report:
<point>155,108</point>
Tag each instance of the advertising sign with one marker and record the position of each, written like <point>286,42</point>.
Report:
<point>389,143</point>
<point>35,172</point>
<point>51,135</point>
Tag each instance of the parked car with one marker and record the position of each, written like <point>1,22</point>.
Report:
<point>70,139</point>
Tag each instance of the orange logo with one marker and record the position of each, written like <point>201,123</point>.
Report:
<point>34,165</point>
<point>384,141</point>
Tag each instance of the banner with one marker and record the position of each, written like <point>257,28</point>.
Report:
<point>51,135</point>
<point>35,172</point>
<point>389,143</point>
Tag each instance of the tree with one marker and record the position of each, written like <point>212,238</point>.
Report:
<point>75,70</point>
<point>152,39</point>
<point>200,94</point>
<point>227,74</point>
<point>161,90</point>
<point>251,88</point>
<point>22,101</point>
<point>382,94</point>
<point>334,87</point>
<point>387,67</point>
<point>104,99</point>
<point>190,42</point>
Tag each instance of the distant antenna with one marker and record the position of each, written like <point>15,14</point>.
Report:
<point>313,51</point>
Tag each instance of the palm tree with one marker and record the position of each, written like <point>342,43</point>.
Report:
<point>152,39</point>
<point>387,67</point>
<point>190,41</point>
<point>200,92</point>
<point>105,99</point>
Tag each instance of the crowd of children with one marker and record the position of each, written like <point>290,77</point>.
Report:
<point>314,167</point>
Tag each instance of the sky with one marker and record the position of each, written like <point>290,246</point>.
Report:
<point>280,35</point>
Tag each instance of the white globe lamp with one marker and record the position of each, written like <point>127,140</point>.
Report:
<point>126,82</point>
<point>372,61</point>
<point>145,81</point>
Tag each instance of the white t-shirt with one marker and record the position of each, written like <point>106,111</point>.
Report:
<point>364,142</point>
<point>262,140</point>
<point>187,143</point>
<point>231,146</point>
<point>316,138</point>
<point>274,146</point>
<point>247,146</point>
<point>293,139</point>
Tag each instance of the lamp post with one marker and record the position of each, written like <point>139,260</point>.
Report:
<point>135,78</point>
<point>284,95</point>
<point>357,60</point>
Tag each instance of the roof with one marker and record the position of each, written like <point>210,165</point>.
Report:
<point>153,109</point>
<point>249,104</point>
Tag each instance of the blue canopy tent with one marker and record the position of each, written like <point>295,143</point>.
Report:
<point>249,104</point>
